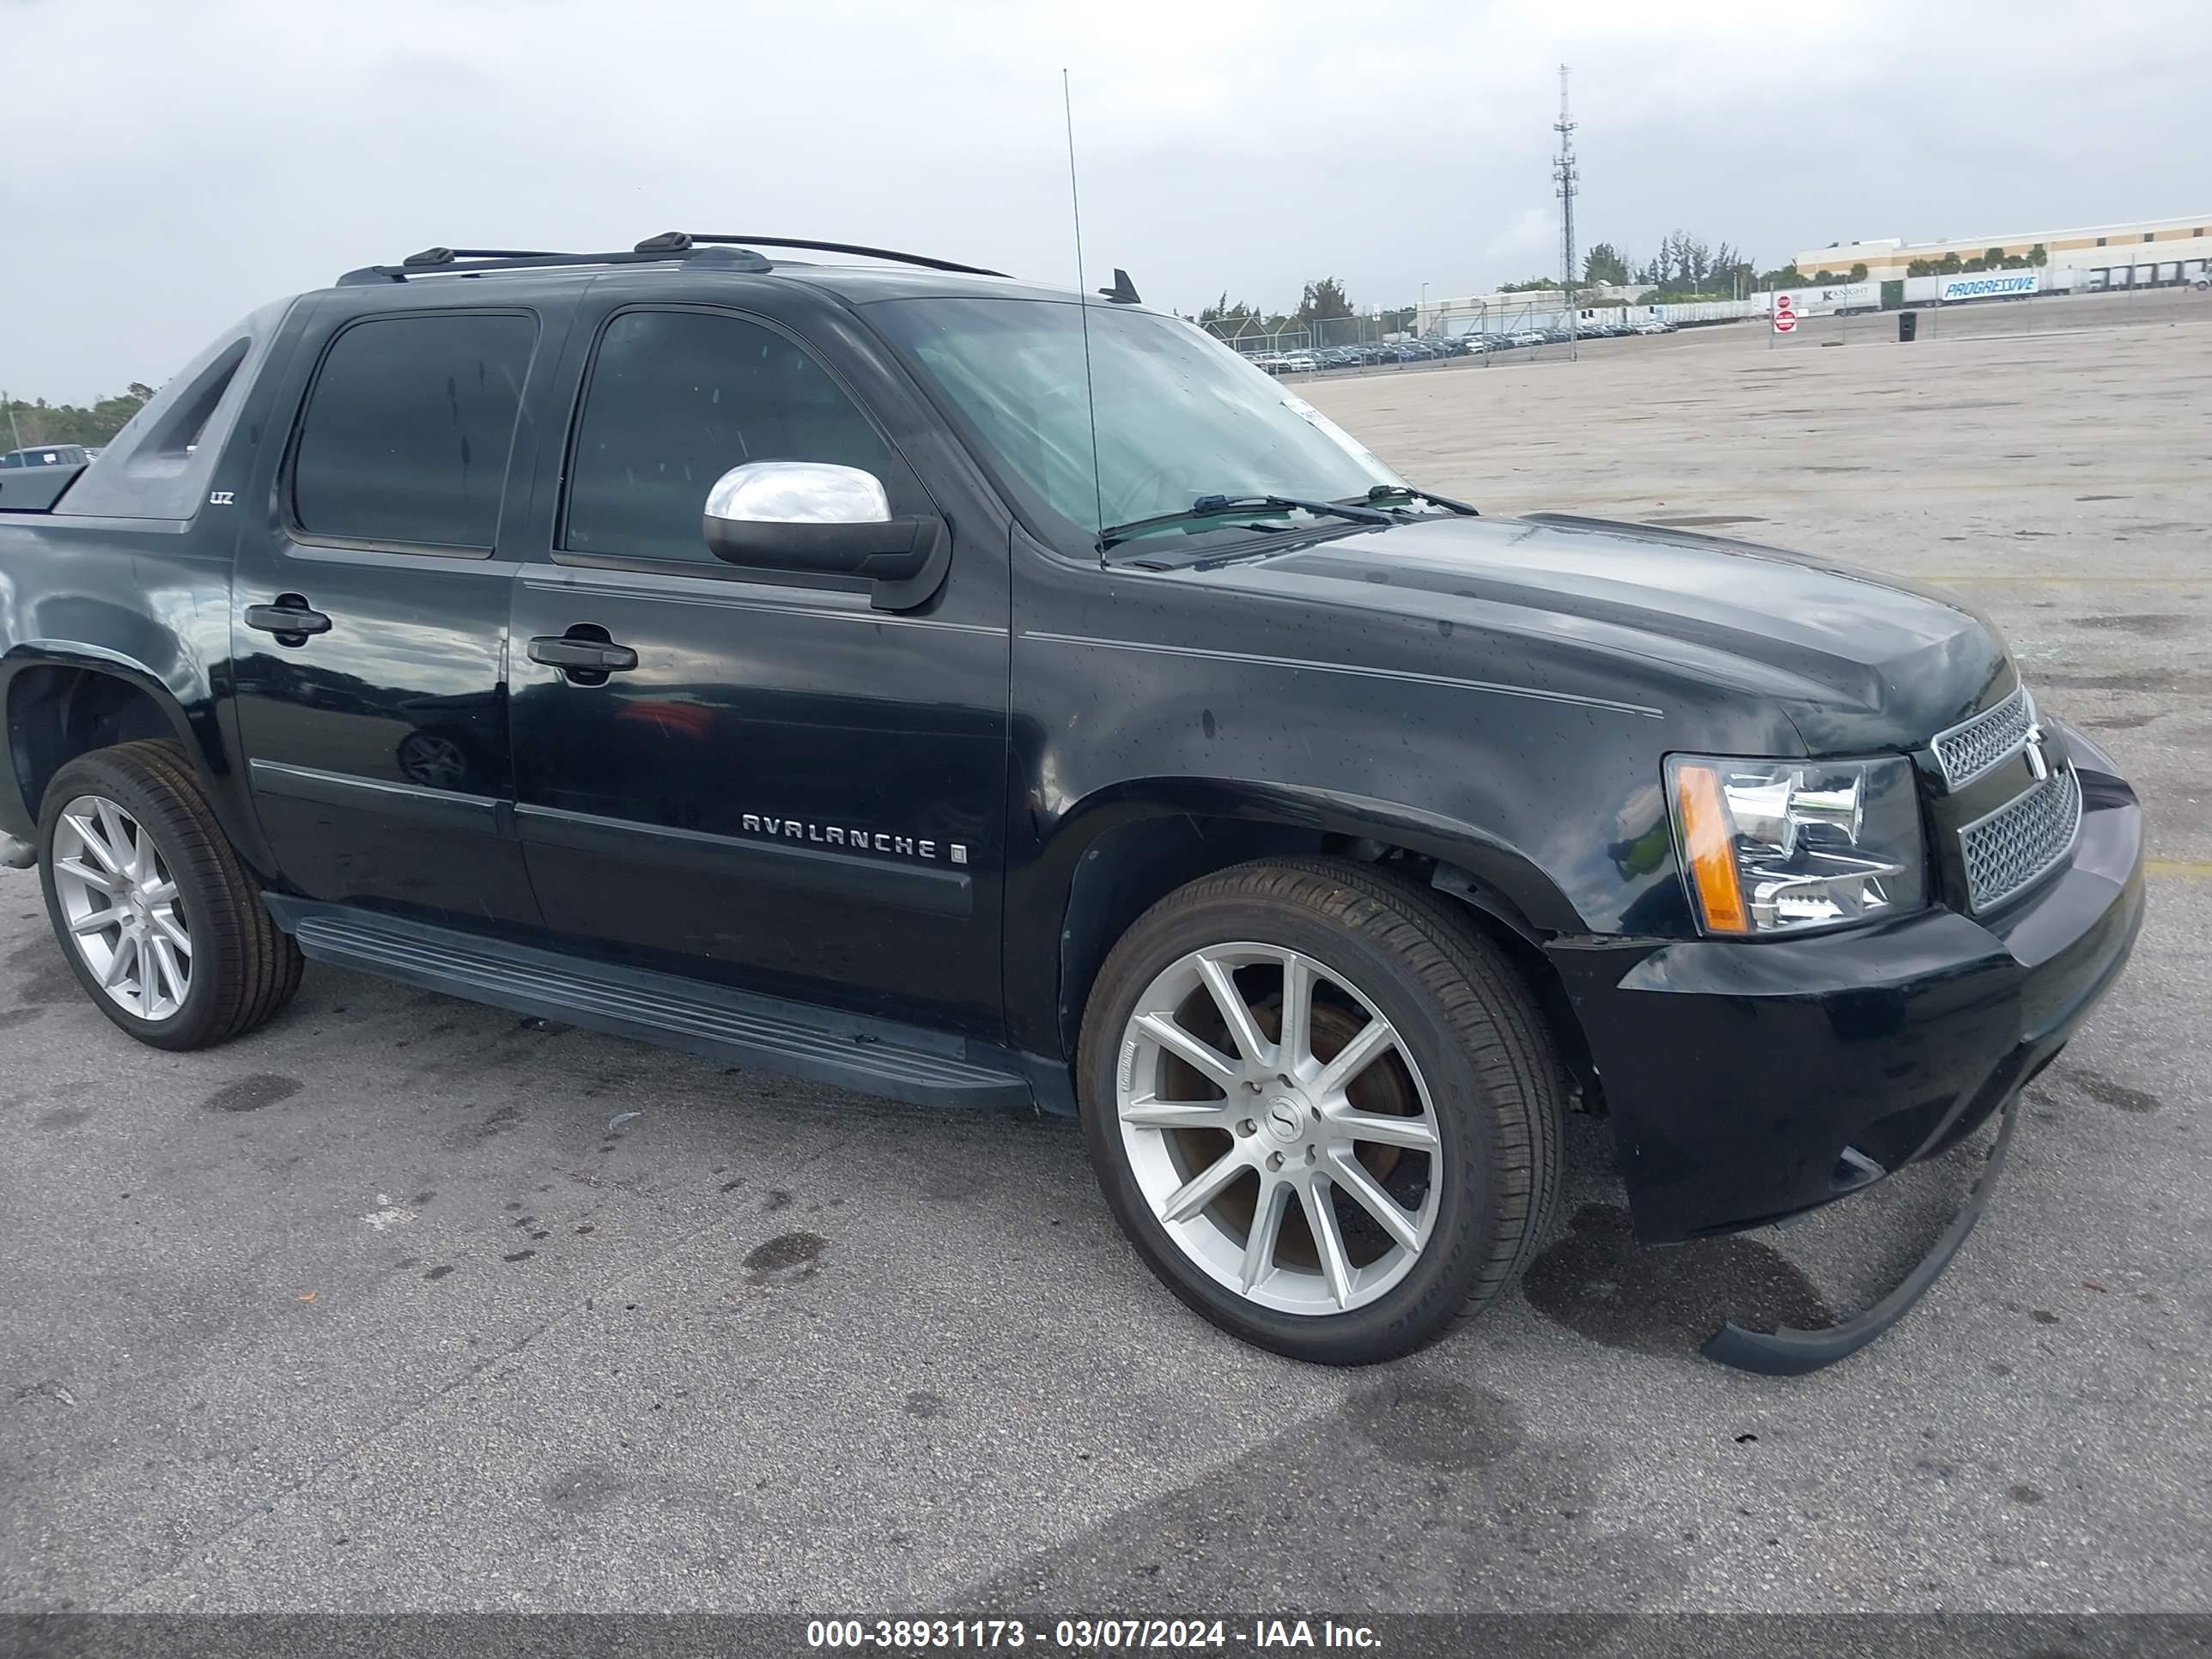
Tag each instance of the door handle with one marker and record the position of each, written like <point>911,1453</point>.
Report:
<point>567,652</point>
<point>291,618</point>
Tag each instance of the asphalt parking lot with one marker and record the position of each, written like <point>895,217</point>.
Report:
<point>408,1302</point>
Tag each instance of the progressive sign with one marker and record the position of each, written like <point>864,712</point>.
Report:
<point>1989,286</point>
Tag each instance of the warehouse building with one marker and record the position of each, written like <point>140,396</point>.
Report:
<point>2134,255</point>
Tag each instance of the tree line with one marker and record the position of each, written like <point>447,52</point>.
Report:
<point>1323,300</point>
<point>1686,267</point>
<point>1996,258</point>
<point>28,425</point>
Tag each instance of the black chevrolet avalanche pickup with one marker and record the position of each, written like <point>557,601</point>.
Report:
<point>984,695</point>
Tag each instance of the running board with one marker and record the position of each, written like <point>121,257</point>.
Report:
<point>875,1057</point>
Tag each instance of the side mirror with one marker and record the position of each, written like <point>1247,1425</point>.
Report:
<point>809,518</point>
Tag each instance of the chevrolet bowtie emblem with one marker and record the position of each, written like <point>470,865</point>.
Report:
<point>2038,763</point>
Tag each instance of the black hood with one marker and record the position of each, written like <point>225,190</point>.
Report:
<point>1858,661</point>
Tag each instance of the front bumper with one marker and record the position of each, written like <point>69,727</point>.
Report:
<point>1749,1081</point>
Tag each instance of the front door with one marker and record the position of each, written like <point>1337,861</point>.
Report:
<point>369,621</point>
<point>773,785</point>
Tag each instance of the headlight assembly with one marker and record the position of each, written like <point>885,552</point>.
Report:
<point>1785,847</point>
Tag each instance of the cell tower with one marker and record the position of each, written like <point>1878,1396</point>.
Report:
<point>1565,175</point>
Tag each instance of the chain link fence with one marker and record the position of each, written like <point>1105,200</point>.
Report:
<point>1408,335</point>
<point>1397,334</point>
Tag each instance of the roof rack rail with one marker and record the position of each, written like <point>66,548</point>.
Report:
<point>734,252</point>
<point>468,262</point>
<point>696,238</point>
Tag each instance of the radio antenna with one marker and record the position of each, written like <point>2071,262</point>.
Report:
<point>1083,301</point>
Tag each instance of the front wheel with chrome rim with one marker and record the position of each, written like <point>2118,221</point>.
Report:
<point>1323,1106</point>
<point>158,918</point>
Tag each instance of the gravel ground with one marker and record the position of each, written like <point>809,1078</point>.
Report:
<point>380,1308</point>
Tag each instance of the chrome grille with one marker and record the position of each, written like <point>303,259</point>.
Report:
<point>2016,845</point>
<point>1972,747</point>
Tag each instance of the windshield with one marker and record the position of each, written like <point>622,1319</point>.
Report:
<point>1180,415</point>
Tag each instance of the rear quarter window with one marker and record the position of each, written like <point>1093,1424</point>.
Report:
<point>160,465</point>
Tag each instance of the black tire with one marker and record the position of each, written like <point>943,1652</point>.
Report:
<point>1475,1027</point>
<point>244,970</point>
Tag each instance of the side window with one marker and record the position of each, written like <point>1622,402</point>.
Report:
<point>676,398</point>
<point>408,427</point>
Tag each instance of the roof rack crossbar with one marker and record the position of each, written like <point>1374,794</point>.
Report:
<point>467,262</point>
<point>922,259</point>
<point>446,256</point>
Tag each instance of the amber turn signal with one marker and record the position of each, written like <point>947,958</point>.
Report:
<point>1709,843</point>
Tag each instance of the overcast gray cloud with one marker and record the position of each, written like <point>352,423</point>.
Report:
<point>169,167</point>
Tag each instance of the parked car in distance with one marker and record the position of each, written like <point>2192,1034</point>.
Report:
<point>47,455</point>
<point>929,682</point>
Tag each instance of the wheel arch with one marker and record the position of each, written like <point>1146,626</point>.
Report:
<point>60,702</point>
<point>1117,852</point>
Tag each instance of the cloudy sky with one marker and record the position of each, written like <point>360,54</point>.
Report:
<point>171,166</point>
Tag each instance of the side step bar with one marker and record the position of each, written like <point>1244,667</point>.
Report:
<point>875,1057</point>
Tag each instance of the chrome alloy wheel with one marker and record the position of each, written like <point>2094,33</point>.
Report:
<point>119,905</point>
<point>1279,1128</point>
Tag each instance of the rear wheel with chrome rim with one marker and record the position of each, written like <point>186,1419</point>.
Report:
<point>122,908</point>
<point>160,921</point>
<point>1322,1105</point>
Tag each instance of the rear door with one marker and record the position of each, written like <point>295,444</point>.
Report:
<point>783,789</point>
<point>370,611</point>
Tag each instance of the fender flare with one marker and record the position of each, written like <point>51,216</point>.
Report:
<point>199,730</point>
<point>1043,905</point>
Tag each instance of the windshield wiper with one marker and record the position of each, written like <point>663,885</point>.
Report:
<point>1206,506</point>
<point>1217,507</point>
<point>1382,493</point>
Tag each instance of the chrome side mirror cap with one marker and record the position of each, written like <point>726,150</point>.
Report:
<point>813,519</point>
<point>798,492</point>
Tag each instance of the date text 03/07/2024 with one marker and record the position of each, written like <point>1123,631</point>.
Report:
<point>1089,1635</point>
